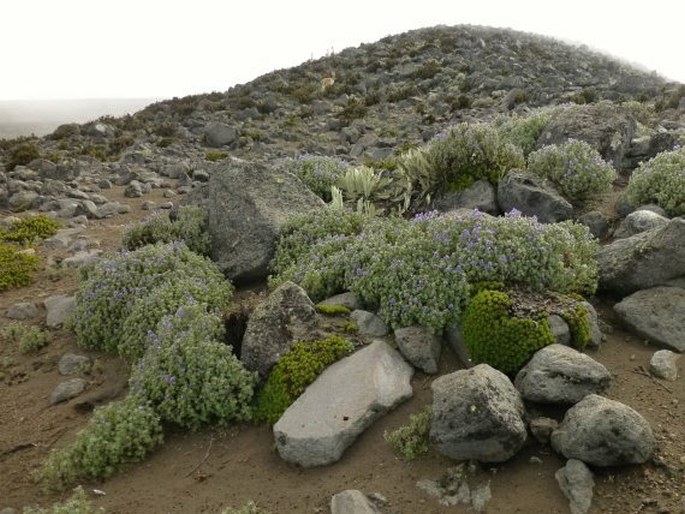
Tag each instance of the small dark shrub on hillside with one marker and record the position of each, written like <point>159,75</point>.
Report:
<point>298,368</point>
<point>355,108</point>
<point>575,168</point>
<point>215,155</point>
<point>189,225</point>
<point>110,287</point>
<point>117,434</point>
<point>21,155</point>
<point>189,376</point>
<point>66,131</point>
<point>660,180</point>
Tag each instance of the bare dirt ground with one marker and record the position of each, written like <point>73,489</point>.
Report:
<point>215,468</point>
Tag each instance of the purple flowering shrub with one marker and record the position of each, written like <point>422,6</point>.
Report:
<point>660,180</point>
<point>212,291</point>
<point>112,285</point>
<point>575,168</point>
<point>420,271</point>
<point>188,376</point>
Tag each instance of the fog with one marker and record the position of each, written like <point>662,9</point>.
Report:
<point>40,117</point>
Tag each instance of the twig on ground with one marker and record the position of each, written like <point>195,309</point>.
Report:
<point>642,371</point>
<point>204,459</point>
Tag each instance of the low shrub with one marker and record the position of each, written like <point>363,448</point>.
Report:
<point>29,338</point>
<point>188,376</point>
<point>189,225</point>
<point>523,130</point>
<point>457,158</point>
<point>27,230</point>
<point>660,180</point>
<point>111,285</point>
<point>318,173</point>
<point>215,155</point>
<point>412,439</point>
<point>296,369</point>
<point>16,266</point>
<point>119,433</point>
<point>494,334</point>
<point>332,310</point>
<point>78,503</point>
<point>214,292</point>
<point>420,271</point>
<point>22,154</point>
<point>575,168</point>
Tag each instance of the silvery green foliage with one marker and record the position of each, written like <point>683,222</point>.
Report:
<point>575,168</point>
<point>112,285</point>
<point>118,433</point>
<point>318,173</point>
<point>455,159</point>
<point>660,180</point>
<point>420,271</point>
<point>214,292</point>
<point>188,375</point>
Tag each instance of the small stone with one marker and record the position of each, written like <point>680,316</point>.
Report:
<point>22,311</point>
<point>148,205</point>
<point>663,364</point>
<point>59,308</point>
<point>576,482</point>
<point>70,363</point>
<point>67,390</point>
<point>352,501</point>
<point>369,324</point>
<point>542,428</point>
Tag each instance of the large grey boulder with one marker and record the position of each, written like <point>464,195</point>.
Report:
<point>481,195</point>
<point>247,204</point>
<point>639,221</point>
<point>657,314</point>
<point>533,196</point>
<point>603,432</point>
<point>420,347</point>
<point>352,501</point>
<point>559,374</point>
<point>645,260</point>
<point>605,126</point>
<point>276,323</point>
<point>22,311</point>
<point>477,414</point>
<point>219,134</point>
<point>341,403</point>
<point>576,482</point>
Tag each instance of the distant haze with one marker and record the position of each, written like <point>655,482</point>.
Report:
<point>41,117</point>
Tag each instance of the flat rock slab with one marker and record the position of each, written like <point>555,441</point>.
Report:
<point>657,314</point>
<point>341,403</point>
<point>67,390</point>
<point>59,308</point>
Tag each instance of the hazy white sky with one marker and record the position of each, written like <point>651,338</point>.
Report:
<point>165,48</point>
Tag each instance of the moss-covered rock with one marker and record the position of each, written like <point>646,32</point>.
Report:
<point>497,336</point>
<point>296,370</point>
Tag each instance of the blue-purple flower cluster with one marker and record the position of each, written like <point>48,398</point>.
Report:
<point>575,168</point>
<point>420,271</point>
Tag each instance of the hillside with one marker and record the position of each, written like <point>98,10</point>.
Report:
<point>468,123</point>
